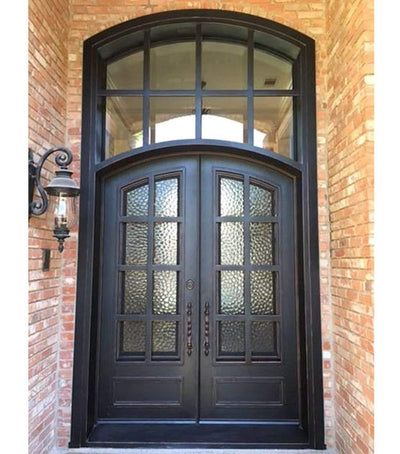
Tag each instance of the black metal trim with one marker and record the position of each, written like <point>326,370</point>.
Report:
<point>84,383</point>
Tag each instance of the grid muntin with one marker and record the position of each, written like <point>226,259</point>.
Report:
<point>199,93</point>
<point>248,317</point>
<point>148,317</point>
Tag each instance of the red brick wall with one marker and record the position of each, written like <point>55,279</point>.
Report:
<point>48,28</point>
<point>350,169</point>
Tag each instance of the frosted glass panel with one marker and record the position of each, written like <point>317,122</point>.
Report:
<point>135,292</point>
<point>136,243</point>
<point>261,243</point>
<point>261,201</point>
<point>167,197</point>
<point>133,337</point>
<point>262,284</point>
<point>263,338</point>
<point>231,197</point>
<point>164,292</point>
<point>137,201</point>
<point>164,337</point>
<point>231,292</point>
<point>166,243</point>
<point>231,243</point>
<point>231,338</point>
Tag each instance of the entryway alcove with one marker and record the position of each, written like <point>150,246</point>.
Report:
<point>198,320</point>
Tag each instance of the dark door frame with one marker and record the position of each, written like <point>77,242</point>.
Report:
<point>304,171</point>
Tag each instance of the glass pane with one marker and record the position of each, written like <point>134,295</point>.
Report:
<point>271,72</point>
<point>165,336</point>
<point>231,243</point>
<point>224,66</point>
<point>273,125</point>
<point>231,338</point>
<point>135,292</point>
<point>126,73</point>
<point>164,292</point>
<point>166,197</point>
<point>172,66</point>
<point>166,243</point>
<point>172,119</point>
<point>224,119</point>
<point>262,284</point>
<point>261,243</point>
<point>231,197</point>
<point>136,243</point>
<point>263,338</point>
<point>261,201</point>
<point>133,338</point>
<point>137,201</point>
<point>124,124</point>
<point>231,292</point>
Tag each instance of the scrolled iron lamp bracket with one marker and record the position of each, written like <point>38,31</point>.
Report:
<point>62,191</point>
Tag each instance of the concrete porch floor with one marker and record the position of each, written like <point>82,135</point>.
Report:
<point>191,451</point>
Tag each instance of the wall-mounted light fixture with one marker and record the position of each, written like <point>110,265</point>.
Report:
<point>59,196</point>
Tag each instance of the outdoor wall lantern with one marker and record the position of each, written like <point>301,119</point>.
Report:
<point>59,196</point>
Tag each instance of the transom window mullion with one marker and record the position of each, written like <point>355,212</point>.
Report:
<point>146,88</point>
<point>198,99</point>
<point>250,87</point>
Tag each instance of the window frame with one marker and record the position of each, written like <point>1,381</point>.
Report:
<point>198,93</point>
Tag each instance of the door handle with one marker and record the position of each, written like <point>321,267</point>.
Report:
<point>207,328</point>
<point>189,344</point>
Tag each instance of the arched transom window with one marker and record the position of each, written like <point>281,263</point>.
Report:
<point>214,81</point>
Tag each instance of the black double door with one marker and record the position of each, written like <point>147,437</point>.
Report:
<point>198,296</point>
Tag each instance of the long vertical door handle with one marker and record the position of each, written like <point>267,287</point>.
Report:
<point>189,344</point>
<point>207,329</point>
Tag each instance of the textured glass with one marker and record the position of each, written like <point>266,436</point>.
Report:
<point>261,201</point>
<point>271,72</point>
<point>231,292</point>
<point>123,124</point>
<point>135,292</point>
<point>172,118</point>
<point>223,66</point>
<point>164,337</point>
<point>262,292</point>
<point>133,337</point>
<point>224,118</point>
<point>172,66</point>
<point>261,243</point>
<point>126,73</point>
<point>137,201</point>
<point>136,243</point>
<point>231,197</point>
<point>231,338</point>
<point>167,197</point>
<point>164,292</point>
<point>273,125</point>
<point>263,338</point>
<point>166,243</point>
<point>231,243</point>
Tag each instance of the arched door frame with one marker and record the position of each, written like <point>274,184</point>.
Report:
<point>303,171</point>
